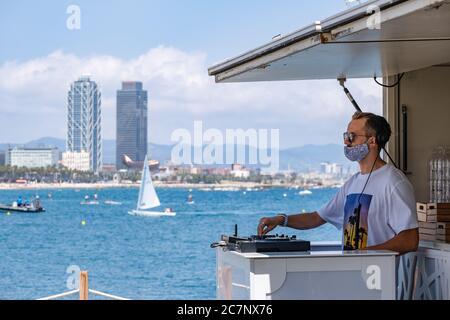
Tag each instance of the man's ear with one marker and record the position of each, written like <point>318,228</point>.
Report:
<point>372,141</point>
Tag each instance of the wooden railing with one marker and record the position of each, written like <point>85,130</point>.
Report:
<point>83,291</point>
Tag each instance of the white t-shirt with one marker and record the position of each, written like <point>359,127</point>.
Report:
<point>388,207</point>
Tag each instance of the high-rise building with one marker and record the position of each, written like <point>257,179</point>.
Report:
<point>84,129</point>
<point>131,123</point>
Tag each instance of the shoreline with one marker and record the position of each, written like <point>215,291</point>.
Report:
<point>227,185</point>
<point>42,186</point>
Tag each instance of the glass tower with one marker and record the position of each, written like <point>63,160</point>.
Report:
<point>84,130</point>
<point>131,123</point>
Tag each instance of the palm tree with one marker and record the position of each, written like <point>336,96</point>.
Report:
<point>362,233</point>
<point>347,244</point>
<point>352,222</point>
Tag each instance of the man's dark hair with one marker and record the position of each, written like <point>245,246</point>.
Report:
<point>376,126</point>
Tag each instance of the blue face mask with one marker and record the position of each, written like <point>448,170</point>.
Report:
<point>357,153</point>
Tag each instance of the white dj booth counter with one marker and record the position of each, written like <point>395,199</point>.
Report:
<point>325,272</point>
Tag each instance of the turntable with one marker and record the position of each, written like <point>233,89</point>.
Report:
<point>266,243</point>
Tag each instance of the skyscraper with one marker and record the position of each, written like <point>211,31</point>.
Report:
<point>84,130</point>
<point>131,134</point>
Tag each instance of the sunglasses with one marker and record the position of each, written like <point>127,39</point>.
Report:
<point>350,136</point>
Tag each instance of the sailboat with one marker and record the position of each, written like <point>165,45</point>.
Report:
<point>148,198</point>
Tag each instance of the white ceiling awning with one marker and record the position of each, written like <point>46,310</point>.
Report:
<point>378,38</point>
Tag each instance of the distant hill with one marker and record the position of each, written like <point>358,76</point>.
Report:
<point>303,158</point>
<point>311,156</point>
<point>47,142</point>
<point>39,143</point>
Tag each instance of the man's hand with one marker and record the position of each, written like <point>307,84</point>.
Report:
<point>304,221</point>
<point>268,224</point>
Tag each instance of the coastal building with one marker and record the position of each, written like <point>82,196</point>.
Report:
<point>2,158</point>
<point>218,171</point>
<point>79,161</point>
<point>182,170</point>
<point>32,157</point>
<point>241,173</point>
<point>84,130</point>
<point>196,170</point>
<point>131,123</point>
<point>236,166</point>
<point>109,168</point>
<point>332,169</point>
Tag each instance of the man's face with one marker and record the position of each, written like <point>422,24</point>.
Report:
<point>357,129</point>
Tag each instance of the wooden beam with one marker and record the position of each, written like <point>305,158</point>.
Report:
<point>84,288</point>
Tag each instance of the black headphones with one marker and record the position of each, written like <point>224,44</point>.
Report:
<point>382,137</point>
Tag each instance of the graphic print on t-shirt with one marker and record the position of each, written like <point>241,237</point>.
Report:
<point>356,226</point>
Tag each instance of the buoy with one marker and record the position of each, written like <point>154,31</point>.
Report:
<point>285,195</point>
<point>244,192</point>
<point>83,222</point>
<point>8,213</point>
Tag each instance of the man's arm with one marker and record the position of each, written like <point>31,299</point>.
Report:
<point>406,241</point>
<point>303,221</point>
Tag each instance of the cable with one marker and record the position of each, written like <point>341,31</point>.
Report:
<point>393,162</point>
<point>357,210</point>
<point>368,178</point>
<point>389,86</point>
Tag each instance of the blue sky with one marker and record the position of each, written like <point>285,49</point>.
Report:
<point>168,45</point>
<point>222,28</point>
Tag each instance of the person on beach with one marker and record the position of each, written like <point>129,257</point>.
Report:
<point>376,208</point>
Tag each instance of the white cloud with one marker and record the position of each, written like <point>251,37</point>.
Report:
<point>33,97</point>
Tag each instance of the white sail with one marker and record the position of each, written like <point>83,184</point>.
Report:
<point>147,194</point>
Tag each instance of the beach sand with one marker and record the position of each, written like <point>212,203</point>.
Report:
<point>228,184</point>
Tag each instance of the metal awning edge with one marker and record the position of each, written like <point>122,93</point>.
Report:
<point>308,32</point>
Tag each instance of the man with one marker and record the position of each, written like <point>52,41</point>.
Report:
<point>376,207</point>
<point>19,201</point>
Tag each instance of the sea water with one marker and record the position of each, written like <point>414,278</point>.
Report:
<point>129,256</point>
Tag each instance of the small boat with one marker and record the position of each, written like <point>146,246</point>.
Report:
<point>113,203</point>
<point>148,198</point>
<point>26,209</point>
<point>33,207</point>
<point>305,193</point>
<point>89,202</point>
